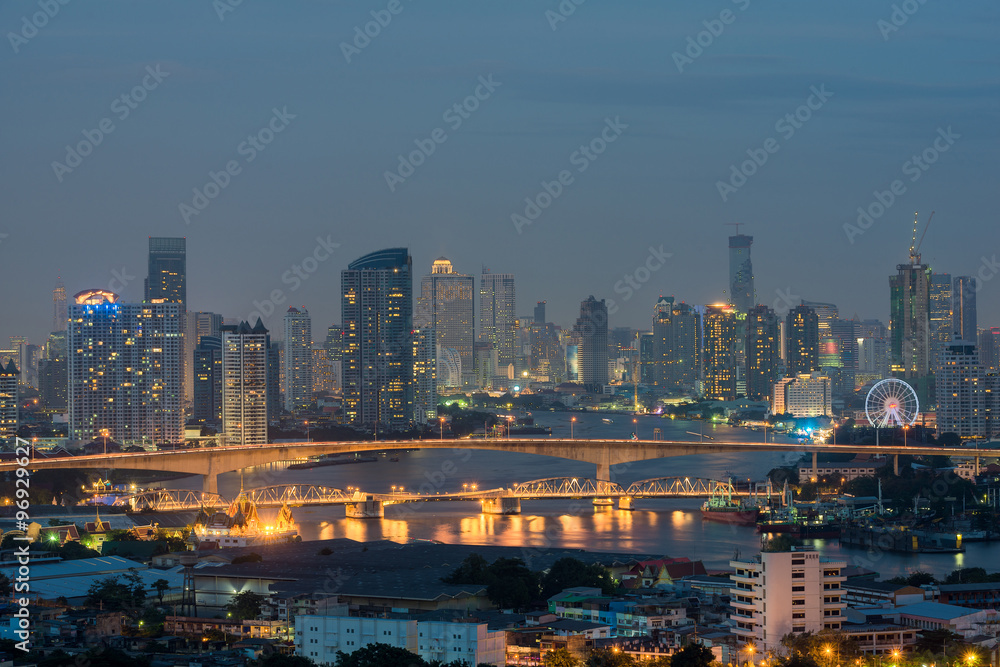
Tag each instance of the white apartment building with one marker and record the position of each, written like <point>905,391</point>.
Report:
<point>319,638</point>
<point>244,384</point>
<point>777,593</point>
<point>298,376</point>
<point>805,395</point>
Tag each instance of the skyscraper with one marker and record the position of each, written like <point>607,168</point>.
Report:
<point>592,329</point>
<point>59,311</point>
<point>167,279</point>
<point>540,312</point>
<point>424,379</point>
<point>963,299</point>
<point>873,350</point>
<point>9,400</point>
<point>377,316</point>
<point>910,321</point>
<point>940,311</point>
<point>244,383</point>
<point>844,335</point>
<point>721,331</point>
<point>762,348</point>
<point>298,360</point>
<point>676,345</point>
<point>447,306</point>
<point>989,349</point>
<point>52,384</point>
<point>496,315</point>
<point>801,341</point>
<point>741,289</point>
<point>959,387</point>
<point>124,370</point>
<point>207,366</point>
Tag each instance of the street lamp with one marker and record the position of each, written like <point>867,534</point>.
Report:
<point>104,432</point>
<point>635,427</point>
<point>307,430</point>
<point>572,421</point>
<point>750,649</point>
<point>905,429</point>
<point>442,427</point>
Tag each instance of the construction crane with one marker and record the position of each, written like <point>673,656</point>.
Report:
<point>914,245</point>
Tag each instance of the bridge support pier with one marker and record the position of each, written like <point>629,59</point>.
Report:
<point>625,503</point>
<point>501,505</point>
<point>369,508</point>
<point>603,472</point>
<point>815,473</point>
<point>210,483</point>
<point>895,464</point>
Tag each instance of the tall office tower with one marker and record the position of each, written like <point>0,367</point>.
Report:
<point>910,322</point>
<point>205,324</point>
<point>959,387</point>
<point>9,400</point>
<point>207,365</point>
<point>244,383</point>
<point>59,312</point>
<point>167,279</point>
<point>496,315</point>
<point>592,330</point>
<point>963,308</point>
<point>298,360</point>
<point>55,346</point>
<point>124,370</point>
<point>939,296</point>
<point>424,376</point>
<point>989,349</point>
<point>676,346</point>
<point>741,290</point>
<point>334,346</point>
<point>274,354</point>
<point>843,335</point>
<point>762,346</point>
<point>486,365</point>
<point>721,333</point>
<point>447,305</point>
<point>873,350</point>
<point>52,384</point>
<point>801,341</point>
<point>802,594</point>
<point>377,316</point>
<point>540,312</point>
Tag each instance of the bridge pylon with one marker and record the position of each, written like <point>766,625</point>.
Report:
<point>369,508</point>
<point>501,505</point>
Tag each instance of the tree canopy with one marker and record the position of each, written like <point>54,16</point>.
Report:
<point>245,605</point>
<point>569,572</point>
<point>509,583</point>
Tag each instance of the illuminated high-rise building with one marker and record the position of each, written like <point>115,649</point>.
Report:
<point>960,385</point>
<point>9,400</point>
<point>244,383</point>
<point>843,340</point>
<point>592,329</point>
<point>496,316</point>
<point>447,305</point>
<point>989,349</point>
<point>298,360</point>
<point>910,322</point>
<point>424,376</point>
<point>124,370</point>
<point>722,329</point>
<point>676,346</point>
<point>60,313</point>
<point>763,344</point>
<point>377,317</point>
<point>167,279</point>
<point>741,289</point>
<point>963,308</point>
<point>801,341</point>
<point>207,366</point>
<point>939,296</point>
<point>53,379</point>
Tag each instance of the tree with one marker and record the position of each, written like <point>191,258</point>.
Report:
<point>114,595</point>
<point>282,660</point>
<point>161,586</point>
<point>914,579</point>
<point>569,572</point>
<point>4,585</point>
<point>251,557</point>
<point>245,605</point>
<point>473,570</point>
<point>379,655</point>
<point>609,658</point>
<point>968,575</point>
<point>151,622</point>
<point>514,586</point>
<point>559,657</point>
<point>692,655</point>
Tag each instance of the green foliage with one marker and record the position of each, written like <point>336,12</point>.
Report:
<point>570,572</point>
<point>473,570</point>
<point>559,657</point>
<point>603,657</point>
<point>245,605</point>
<point>151,621</point>
<point>379,655</point>
<point>692,655</point>
<point>75,550</point>
<point>161,586</point>
<point>120,535</point>
<point>827,647</point>
<point>4,585</point>
<point>914,579</point>
<point>251,557</point>
<point>782,542</point>
<point>282,660</point>
<point>971,575</point>
<point>509,582</point>
<point>111,593</point>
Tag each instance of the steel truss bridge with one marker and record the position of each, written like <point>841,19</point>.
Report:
<point>552,488</point>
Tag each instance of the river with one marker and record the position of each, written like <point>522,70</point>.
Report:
<point>660,527</point>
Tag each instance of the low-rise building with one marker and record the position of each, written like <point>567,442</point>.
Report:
<point>937,616</point>
<point>974,596</point>
<point>860,466</point>
<point>866,593</point>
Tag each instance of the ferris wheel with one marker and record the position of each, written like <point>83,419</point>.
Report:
<point>891,402</point>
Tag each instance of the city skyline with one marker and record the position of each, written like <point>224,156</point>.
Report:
<point>657,183</point>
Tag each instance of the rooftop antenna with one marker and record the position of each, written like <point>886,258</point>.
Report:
<point>737,225</point>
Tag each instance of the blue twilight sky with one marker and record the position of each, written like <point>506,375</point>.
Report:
<point>893,92</point>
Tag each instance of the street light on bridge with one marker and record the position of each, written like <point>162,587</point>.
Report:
<point>572,420</point>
